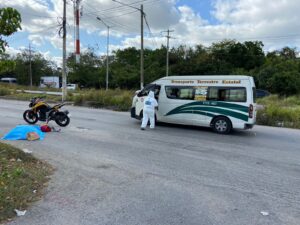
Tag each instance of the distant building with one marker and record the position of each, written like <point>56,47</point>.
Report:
<point>50,82</point>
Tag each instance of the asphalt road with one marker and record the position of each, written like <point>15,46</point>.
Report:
<point>108,171</point>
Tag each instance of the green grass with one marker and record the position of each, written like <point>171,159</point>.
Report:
<point>278,111</point>
<point>117,99</point>
<point>20,175</point>
<point>28,96</point>
<point>4,91</point>
<point>14,87</point>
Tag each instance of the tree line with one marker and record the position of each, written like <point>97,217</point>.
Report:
<point>277,71</point>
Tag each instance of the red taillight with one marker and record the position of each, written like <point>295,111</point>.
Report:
<point>250,111</point>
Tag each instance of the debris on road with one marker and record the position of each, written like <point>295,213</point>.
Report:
<point>264,213</point>
<point>20,213</point>
<point>25,150</point>
<point>32,136</point>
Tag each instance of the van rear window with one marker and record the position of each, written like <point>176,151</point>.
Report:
<point>229,94</point>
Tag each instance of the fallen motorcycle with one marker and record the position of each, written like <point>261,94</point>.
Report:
<point>41,111</point>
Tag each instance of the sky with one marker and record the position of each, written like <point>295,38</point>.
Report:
<point>193,22</point>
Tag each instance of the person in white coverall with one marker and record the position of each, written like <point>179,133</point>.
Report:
<point>149,110</point>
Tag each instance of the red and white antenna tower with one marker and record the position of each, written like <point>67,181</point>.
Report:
<point>77,16</point>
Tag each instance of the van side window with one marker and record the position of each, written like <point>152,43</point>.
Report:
<point>229,94</point>
<point>185,93</point>
<point>200,93</point>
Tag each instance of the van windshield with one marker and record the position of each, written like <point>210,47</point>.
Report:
<point>146,90</point>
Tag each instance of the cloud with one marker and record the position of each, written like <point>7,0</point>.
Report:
<point>272,22</point>
<point>36,39</point>
<point>12,51</point>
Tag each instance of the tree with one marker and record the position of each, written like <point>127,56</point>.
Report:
<point>286,83</point>
<point>125,70</point>
<point>10,22</point>
<point>279,75</point>
<point>7,65</point>
<point>288,53</point>
<point>86,73</point>
<point>39,66</point>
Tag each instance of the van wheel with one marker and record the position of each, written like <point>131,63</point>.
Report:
<point>221,125</point>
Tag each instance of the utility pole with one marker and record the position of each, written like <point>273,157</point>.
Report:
<point>107,58</point>
<point>107,51</point>
<point>167,61</point>
<point>142,40</point>
<point>64,70</point>
<point>74,27</point>
<point>30,71</point>
<point>142,47</point>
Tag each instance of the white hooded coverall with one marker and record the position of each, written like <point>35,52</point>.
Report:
<point>149,110</point>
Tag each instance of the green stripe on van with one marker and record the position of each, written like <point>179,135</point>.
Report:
<point>197,112</point>
<point>232,106</point>
<point>217,111</point>
<point>208,108</point>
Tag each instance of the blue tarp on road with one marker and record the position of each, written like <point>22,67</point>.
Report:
<point>20,132</point>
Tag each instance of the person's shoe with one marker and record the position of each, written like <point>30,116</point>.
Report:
<point>142,128</point>
<point>151,127</point>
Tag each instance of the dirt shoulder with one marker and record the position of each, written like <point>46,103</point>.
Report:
<point>22,180</point>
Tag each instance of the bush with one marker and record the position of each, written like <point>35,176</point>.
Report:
<point>112,99</point>
<point>4,91</point>
<point>277,111</point>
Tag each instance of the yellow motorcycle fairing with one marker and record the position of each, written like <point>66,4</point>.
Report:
<point>39,104</point>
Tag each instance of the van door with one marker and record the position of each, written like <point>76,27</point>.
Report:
<point>174,104</point>
<point>200,116</point>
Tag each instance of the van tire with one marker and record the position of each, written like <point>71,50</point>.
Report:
<point>222,125</point>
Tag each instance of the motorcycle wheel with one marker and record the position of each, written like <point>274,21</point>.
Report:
<point>30,117</point>
<point>62,119</point>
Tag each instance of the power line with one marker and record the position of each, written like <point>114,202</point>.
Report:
<point>37,15</point>
<point>116,7</point>
<point>94,40</point>
<point>117,24</point>
<point>131,12</point>
<point>153,40</point>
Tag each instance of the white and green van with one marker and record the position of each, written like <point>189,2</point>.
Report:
<point>223,102</point>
